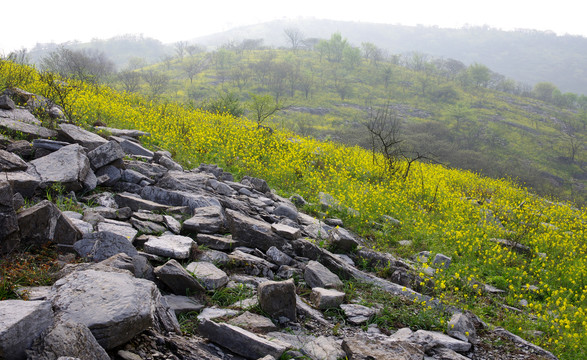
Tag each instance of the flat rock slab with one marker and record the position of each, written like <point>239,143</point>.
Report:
<point>212,277</point>
<point>253,233</point>
<point>206,220</point>
<point>101,245</point>
<point>29,131</point>
<point>183,304</point>
<point>357,314</point>
<point>318,275</point>
<point>326,298</point>
<point>178,198</point>
<point>173,246</point>
<point>68,166</point>
<point>433,339</point>
<point>216,242</point>
<point>105,154</point>
<point>253,322</point>
<point>123,132</point>
<point>72,133</point>
<point>67,339</point>
<point>20,323</point>
<point>215,313</point>
<point>11,162</point>
<point>137,203</point>
<point>240,341</point>
<point>114,305</point>
<point>22,182</point>
<point>278,298</point>
<point>124,230</point>
<point>178,279</point>
<point>361,347</point>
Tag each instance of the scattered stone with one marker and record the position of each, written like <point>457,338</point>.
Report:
<point>512,245</point>
<point>357,314</point>
<point>286,211</point>
<point>33,292</point>
<point>101,245</point>
<point>278,298</point>
<point>432,339</point>
<point>342,239</point>
<point>132,148</point>
<point>136,203</point>
<point>215,313</point>
<point>279,257</point>
<point>147,227</point>
<point>178,198</point>
<point>286,231</point>
<point>441,261</point>
<point>183,304</point>
<point>254,233</point>
<point>6,103</point>
<point>326,298</point>
<point>317,275</point>
<point>323,348</point>
<point>70,340</point>
<point>258,184</point>
<point>20,323</point>
<point>51,145</point>
<point>462,327</point>
<point>29,131</point>
<point>362,347</point>
<point>11,162</point>
<point>253,322</point>
<point>178,279</point>
<point>207,220</point>
<point>208,274</point>
<point>287,272</point>
<point>173,246</point>
<point>216,242</point>
<point>105,154</point>
<point>75,134</point>
<point>125,230</point>
<point>240,341</point>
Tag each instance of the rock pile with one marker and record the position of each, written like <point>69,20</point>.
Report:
<point>158,240</point>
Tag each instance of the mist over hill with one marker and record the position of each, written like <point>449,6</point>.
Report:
<point>528,56</point>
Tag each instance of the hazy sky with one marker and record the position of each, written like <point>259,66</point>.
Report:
<point>26,23</point>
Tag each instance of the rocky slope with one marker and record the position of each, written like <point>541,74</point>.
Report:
<point>155,241</point>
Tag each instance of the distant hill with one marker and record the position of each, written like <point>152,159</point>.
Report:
<point>527,56</point>
<point>119,49</point>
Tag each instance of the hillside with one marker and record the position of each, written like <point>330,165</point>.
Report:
<point>464,117</point>
<point>527,56</point>
<point>530,250</point>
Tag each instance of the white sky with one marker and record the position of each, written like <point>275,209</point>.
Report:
<point>26,23</point>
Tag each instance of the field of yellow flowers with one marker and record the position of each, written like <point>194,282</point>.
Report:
<point>443,210</point>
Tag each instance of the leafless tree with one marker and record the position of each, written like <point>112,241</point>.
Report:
<point>295,37</point>
<point>130,80</point>
<point>181,48</point>
<point>84,65</point>
<point>157,81</point>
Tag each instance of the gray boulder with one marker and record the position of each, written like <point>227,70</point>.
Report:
<point>362,347</point>
<point>253,233</point>
<point>21,322</point>
<point>183,304</point>
<point>109,175</point>
<point>21,128</point>
<point>342,239</point>
<point>173,246</point>
<point>326,298</point>
<point>240,341</point>
<point>75,134</point>
<point>432,339</point>
<point>317,275</point>
<point>288,232</point>
<point>6,103</point>
<point>44,222</point>
<point>101,245</point>
<point>216,242</point>
<point>279,257</point>
<point>132,148</point>
<point>253,322</point>
<point>136,203</point>
<point>105,154</point>
<point>67,339</point>
<point>209,275</point>
<point>22,182</point>
<point>178,279</point>
<point>207,220</point>
<point>68,166</point>
<point>357,314</point>
<point>11,162</point>
<point>258,184</point>
<point>9,236</point>
<point>278,298</point>
<point>178,198</point>
<point>121,306</point>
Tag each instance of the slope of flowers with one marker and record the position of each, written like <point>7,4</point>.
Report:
<point>441,210</point>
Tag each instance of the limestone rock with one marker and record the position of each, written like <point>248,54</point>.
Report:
<point>177,198</point>
<point>132,148</point>
<point>178,279</point>
<point>323,348</point>
<point>11,162</point>
<point>240,341</point>
<point>105,154</point>
<point>136,203</point>
<point>361,347</point>
<point>258,184</point>
<point>342,239</point>
<point>441,261</point>
<point>124,230</point>
<point>22,182</point>
<point>67,339</point>
<point>432,339</point>
<point>75,134</point>
<point>278,298</point>
<point>286,231</point>
<point>207,220</point>
<point>326,298</point>
<point>115,306</point>
<point>253,322</point>
<point>101,245</point>
<point>213,256</point>
<point>317,275</point>
<point>183,304</point>
<point>20,323</point>
<point>68,166</point>
<point>173,246</point>
<point>216,242</point>
<point>279,257</point>
<point>252,232</point>
<point>27,130</point>
<point>357,314</point>
<point>211,276</point>
<point>461,326</point>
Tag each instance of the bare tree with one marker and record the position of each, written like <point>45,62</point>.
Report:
<point>295,37</point>
<point>89,66</point>
<point>192,66</point>
<point>157,81</point>
<point>130,80</point>
<point>181,48</point>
